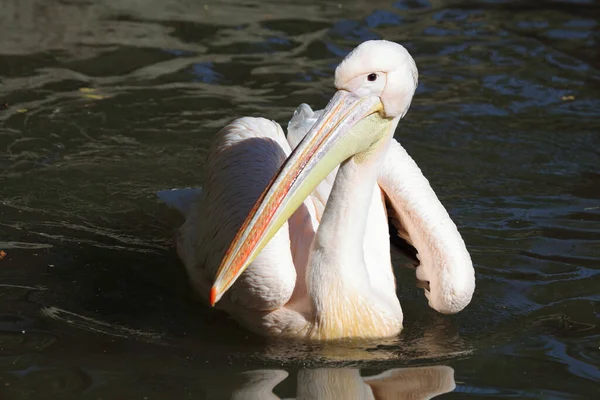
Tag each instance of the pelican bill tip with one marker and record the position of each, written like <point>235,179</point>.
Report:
<point>212,298</point>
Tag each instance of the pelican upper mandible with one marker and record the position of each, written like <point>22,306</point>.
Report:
<point>290,236</point>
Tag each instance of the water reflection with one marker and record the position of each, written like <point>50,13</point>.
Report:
<point>344,383</point>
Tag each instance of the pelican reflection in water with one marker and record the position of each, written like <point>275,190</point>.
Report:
<point>290,235</point>
<point>343,383</point>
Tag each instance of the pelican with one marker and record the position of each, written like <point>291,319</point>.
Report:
<point>290,235</point>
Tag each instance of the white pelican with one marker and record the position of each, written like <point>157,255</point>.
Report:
<point>292,235</point>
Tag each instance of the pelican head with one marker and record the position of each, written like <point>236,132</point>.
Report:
<point>383,69</point>
<point>375,84</point>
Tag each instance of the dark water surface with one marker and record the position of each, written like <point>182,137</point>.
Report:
<point>109,101</point>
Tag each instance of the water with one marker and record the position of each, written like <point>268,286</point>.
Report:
<point>108,102</point>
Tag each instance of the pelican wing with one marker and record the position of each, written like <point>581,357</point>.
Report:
<point>244,157</point>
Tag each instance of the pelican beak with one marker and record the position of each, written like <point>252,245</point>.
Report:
<point>349,125</point>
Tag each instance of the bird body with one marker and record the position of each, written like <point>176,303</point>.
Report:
<point>290,235</point>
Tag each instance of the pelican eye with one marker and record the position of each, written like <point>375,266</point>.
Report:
<point>372,77</point>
